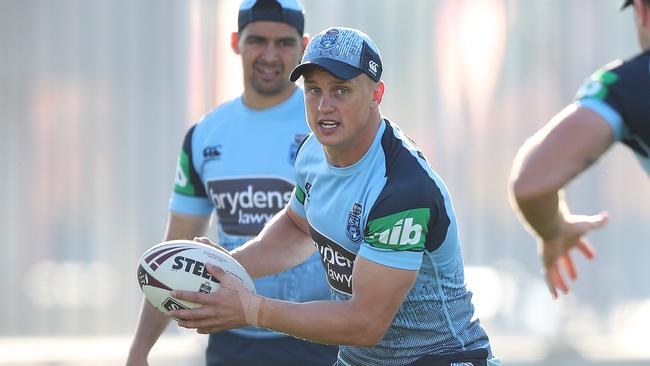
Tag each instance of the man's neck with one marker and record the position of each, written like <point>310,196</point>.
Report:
<point>257,101</point>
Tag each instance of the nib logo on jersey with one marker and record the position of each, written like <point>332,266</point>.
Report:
<point>245,205</point>
<point>337,261</point>
<point>405,230</point>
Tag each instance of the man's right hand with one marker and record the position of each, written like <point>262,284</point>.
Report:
<point>555,252</point>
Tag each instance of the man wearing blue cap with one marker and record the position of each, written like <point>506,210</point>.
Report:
<point>238,162</point>
<point>381,219</point>
<point>612,105</point>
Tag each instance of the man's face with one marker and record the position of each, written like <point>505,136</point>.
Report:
<point>339,112</point>
<point>269,51</point>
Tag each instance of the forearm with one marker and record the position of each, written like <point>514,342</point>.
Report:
<point>360,321</point>
<point>280,246</point>
<point>182,226</point>
<point>538,196</point>
<point>571,142</point>
<point>328,322</point>
<point>537,182</point>
<point>151,324</point>
<point>543,214</point>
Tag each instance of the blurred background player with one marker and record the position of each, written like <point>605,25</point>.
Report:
<point>612,105</point>
<point>381,219</point>
<point>238,161</point>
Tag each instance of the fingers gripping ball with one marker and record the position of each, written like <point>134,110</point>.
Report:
<point>181,265</point>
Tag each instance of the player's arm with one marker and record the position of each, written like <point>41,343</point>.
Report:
<point>570,143</point>
<point>152,322</point>
<point>378,292</point>
<point>283,243</point>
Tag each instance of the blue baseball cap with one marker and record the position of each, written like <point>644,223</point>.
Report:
<point>283,11</point>
<point>343,52</point>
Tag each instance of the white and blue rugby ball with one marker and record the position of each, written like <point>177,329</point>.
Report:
<point>180,265</point>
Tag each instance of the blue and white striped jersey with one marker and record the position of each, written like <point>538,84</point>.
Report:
<point>391,208</point>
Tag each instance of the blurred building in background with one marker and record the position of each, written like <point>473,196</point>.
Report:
<point>95,98</point>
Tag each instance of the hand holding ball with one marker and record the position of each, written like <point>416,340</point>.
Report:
<point>181,265</point>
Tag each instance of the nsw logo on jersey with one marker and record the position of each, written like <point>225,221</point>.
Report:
<point>353,228</point>
<point>405,230</point>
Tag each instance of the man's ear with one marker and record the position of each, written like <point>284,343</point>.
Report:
<point>234,42</point>
<point>378,94</point>
<point>643,12</point>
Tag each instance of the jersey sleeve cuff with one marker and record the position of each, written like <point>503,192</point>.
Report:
<point>199,206</point>
<point>297,207</point>
<point>391,258</point>
<point>609,114</point>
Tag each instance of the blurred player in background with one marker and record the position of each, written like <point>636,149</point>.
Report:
<point>238,161</point>
<point>381,219</point>
<point>612,105</point>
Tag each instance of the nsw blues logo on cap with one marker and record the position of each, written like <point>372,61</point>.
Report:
<point>329,39</point>
<point>343,52</point>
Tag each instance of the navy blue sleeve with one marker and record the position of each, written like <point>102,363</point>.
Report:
<point>187,180</point>
<point>625,87</point>
<point>410,212</point>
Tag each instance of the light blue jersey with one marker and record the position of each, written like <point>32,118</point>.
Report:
<point>239,162</point>
<point>392,209</point>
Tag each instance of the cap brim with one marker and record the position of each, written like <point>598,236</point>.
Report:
<point>339,69</point>
<point>626,3</point>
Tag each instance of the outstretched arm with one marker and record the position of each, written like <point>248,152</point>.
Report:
<point>569,144</point>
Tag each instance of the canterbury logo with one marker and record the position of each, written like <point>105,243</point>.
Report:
<point>372,65</point>
<point>404,232</point>
<point>159,257</point>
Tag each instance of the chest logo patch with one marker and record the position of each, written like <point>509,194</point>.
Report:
<point>404,230</point>
<point>338,262</point>
<point>212,152</point>
<point>245,205</point>
<point>353,228</point>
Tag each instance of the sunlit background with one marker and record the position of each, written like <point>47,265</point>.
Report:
<point>96,95</point>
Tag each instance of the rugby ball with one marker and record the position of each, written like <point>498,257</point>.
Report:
<point>180,265</point>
